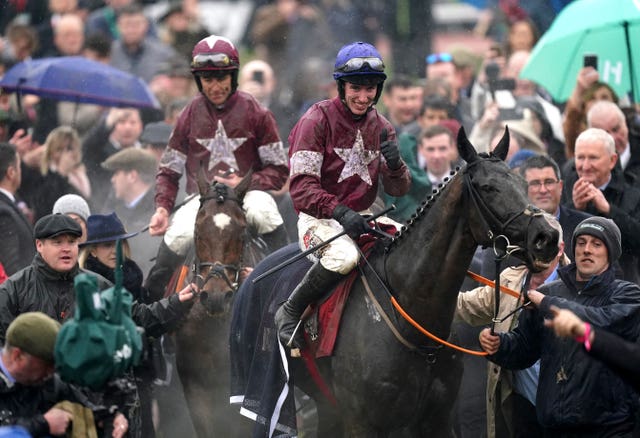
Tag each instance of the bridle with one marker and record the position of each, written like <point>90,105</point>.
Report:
<point>494,228</point>
<point>217,269</point>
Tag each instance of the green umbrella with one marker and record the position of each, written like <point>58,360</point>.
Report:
<point>609,29</point>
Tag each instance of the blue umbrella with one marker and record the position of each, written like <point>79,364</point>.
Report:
<point>80,80</point>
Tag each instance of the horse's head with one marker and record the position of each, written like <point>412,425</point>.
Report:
<point>219,239</point>
<point>501,214</point>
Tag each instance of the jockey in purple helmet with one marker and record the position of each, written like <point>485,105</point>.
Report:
<point>336,160</point>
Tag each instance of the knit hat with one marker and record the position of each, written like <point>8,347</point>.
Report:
<point>604,229</point>
<point>34,333</point>
<point>72,204</point>
<point>53,225</point>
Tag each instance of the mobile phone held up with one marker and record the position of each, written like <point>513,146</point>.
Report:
<point>590,60</point>
<point>258,76</point>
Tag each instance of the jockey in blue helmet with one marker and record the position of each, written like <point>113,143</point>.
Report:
<point>359,63</point>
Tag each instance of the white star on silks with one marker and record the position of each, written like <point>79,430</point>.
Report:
<point>356,160</point>
<point>222,147</point>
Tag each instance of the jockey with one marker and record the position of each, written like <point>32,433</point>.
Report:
<point>336,160</point>
<point>229,133</point>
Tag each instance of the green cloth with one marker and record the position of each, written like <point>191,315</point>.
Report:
<point>420,185</point>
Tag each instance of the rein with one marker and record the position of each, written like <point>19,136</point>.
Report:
<point>501,251</point>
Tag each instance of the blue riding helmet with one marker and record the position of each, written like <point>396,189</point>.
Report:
<point>359,63</point>
<point>359,59</point>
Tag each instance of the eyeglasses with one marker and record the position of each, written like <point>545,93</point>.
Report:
<point>548,183</point>
<point>212,60</point>
<point>438,57</point>
<point>355,64</point>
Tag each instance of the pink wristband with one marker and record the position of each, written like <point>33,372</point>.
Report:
<point>586,338</point>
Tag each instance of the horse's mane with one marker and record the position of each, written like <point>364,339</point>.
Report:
<point>422,209</point>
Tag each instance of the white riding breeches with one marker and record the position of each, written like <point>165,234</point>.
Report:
<point>341,255</point>
<point>259,207</point>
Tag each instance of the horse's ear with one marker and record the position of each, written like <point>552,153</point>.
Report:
<point>203,184</point>
<point>465,148</point>
<point>243,187</point>
<point>502,149</point>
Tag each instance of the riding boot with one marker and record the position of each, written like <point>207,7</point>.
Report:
<point>159,275</point>
<point>276,239</point>
<point>316,283</point>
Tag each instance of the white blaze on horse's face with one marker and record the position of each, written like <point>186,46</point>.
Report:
<point>221,220</point>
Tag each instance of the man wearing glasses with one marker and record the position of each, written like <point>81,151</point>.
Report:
<point>230,133</point>
<point>339,151</point>
<point>596,185</point>
<point>544,189</point>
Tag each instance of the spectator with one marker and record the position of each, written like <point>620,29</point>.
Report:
<point>27,369</point>
<point>587,91</point>
<point>155,137</point>
<point>523,35</point>
<point>60,172</point>
<point>609,117</point>
<point>597,186</point>
<point>621,356</point>
<point>577,395</point>
<point>47,286</point>
<point>20,44</point>
<point>77,209</point>
<point>510,397</point>
<point>16,231</point>
<point>434,150</point>
<point>135,52</point>
<point>120,129</point>
<point>435,109</point>
<point>104,20</point>
<point>402,100</point>
<point>132,199</point>
<point>179,29</point>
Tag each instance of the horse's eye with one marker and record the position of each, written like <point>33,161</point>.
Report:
<point>487,188</point>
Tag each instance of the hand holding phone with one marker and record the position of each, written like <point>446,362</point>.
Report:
<point>590,60</point>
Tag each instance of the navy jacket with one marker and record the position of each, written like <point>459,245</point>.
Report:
<point>574,389</point>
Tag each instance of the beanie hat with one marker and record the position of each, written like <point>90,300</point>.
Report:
<point>35,333</point>
<point>604,229</point>
<point>72,204</point>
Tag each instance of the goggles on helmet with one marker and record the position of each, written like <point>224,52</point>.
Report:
<point>356,64</point>
<point>204,60</point>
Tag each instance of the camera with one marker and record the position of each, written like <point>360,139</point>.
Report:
<point>590,60</point>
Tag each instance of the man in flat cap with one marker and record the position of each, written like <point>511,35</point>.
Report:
<point>26,363</point>
<point>132,198</point>
<point>46,284</point>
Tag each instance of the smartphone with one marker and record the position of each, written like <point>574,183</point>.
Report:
<point>258,76</point>
<point>590,60</point>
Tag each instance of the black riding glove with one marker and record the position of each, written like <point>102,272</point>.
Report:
<point>352,222</point>
<point>391,154</point>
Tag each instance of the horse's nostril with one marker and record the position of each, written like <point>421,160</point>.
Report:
<point>228,295</point>
<point>204,296</point>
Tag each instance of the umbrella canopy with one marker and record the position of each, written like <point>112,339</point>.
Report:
<point>609,29</point>
<point>80,80</point>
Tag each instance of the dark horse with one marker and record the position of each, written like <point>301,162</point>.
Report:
<point>381,384</point>
<point>223,248</point>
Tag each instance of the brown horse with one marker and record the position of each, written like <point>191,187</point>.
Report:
<point>383,381</point>
<point>223,248</point>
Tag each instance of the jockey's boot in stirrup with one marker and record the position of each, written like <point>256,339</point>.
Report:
<point>160,273</point>
<point>316,283</point>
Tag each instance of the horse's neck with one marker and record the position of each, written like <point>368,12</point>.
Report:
<point>427,265</point>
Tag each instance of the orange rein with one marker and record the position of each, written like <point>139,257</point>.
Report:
<point>430,335</point>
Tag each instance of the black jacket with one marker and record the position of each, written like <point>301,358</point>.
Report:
<point>575,390</point>
<point>624,200</point>
<point>26,405</point>
<point>16,235</point>
<point>38,288</point>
